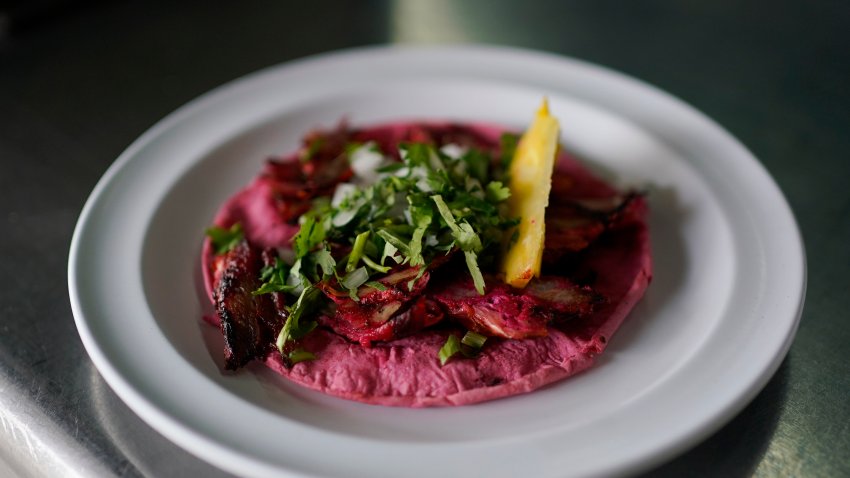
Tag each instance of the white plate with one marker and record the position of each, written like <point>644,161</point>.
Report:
<point>715,324</point>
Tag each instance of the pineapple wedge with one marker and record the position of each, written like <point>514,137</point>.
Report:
<point>530,183</point>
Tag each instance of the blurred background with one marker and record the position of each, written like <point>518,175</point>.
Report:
<point>80,80</point>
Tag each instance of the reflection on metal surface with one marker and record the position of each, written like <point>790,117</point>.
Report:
<point>146,451</point>
<point>32,445</point>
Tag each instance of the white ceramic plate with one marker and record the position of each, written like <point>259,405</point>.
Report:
<point>715,324</point>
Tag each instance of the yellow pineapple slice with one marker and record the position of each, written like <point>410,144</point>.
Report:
<point>530,183</point>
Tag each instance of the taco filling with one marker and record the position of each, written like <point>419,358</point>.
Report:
<point>380,264</point>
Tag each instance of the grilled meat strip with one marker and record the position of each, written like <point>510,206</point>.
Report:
<point>573,224</point>
<point>249,323</point>
<point>504,311</point>
<point>381,315</point>
<point>315,170</point>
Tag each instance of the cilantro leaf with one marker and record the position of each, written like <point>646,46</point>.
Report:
<point>507,146</point>
<point>468,241</point>
<point>497,192</point>
<point>325,261</point>
<point>274,279</point>
<point>310,235</point>
<point>224,240</point>
<point>293,329</point>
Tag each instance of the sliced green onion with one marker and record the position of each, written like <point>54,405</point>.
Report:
<point>450,348</point>
<point>376,285</point>
<point>356,251</point>
<point>474,271</point>
<point>412,282</point>
<point>473,339</point>
<point>373,265</point>
<point>355,278</point>
<point>300,355</point>
<point>395,241</point>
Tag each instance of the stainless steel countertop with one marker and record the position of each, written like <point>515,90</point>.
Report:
<point>79,81</point>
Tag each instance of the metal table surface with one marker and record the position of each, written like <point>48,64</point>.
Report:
<point>79,81</point>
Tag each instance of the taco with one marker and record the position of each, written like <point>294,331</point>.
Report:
<point>366,265</point>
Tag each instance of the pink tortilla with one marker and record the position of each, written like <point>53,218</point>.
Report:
<point>407,372</point>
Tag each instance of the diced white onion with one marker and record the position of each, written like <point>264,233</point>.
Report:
<point>364,161</point>
<point>342,191</point>
<point>453,150</point>
<point>344,217</point>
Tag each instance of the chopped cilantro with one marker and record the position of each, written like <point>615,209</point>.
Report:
<point>507,147</point>
<point>497,192</point>
<point>293,329</point>
<point>224,240</point>
<point>311,234</point>
<point>414,211</point>
<point>274,278</point>
<point>395,241</point>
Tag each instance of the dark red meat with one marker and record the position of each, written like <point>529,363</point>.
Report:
<point>504,311</point>
<point>313,171</point>
<point>382,315</point>
<point>249,323</point>
<point>573,224</point>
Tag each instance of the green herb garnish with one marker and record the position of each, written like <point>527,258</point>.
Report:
<point>275,279</point>
<point>449,349</point>
<point>293,328</point>
<point>419,209</point>
<point>224,240</point>
<point>300,355</point>
<point>470,345</point>
<point>473,340</point>
<point>507,147</point>
<point>427,205</point>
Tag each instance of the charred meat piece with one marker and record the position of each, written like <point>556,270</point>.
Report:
<point>249,323</point>
<point>382,315</point>
<point>315,170</point>
<point>573,224</point>
<point>513,313</point>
